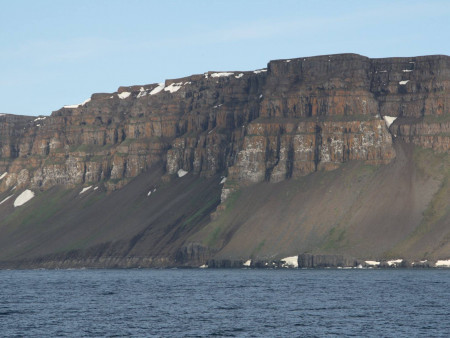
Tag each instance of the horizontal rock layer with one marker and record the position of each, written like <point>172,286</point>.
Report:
<point>293,118</point>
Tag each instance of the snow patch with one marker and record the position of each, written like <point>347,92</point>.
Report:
<point>23,198</point>
<point>402,83</point>
<point>172,88</point>
<point>290,262</point>
<point>224,179</point>
<point>204,266</point>
<point>181,173</point>
<point>443,263</point>
<point>389,120</point>
<point>3,175</point>
<point>86,101</point>
<point>287,61</point>
<point>124,95</point>
<point>142,92</point>
<point>260,71</point>
<point>40,118</point>
<point>407,70</point>
<point>71,106</point>
<point>247,263</point>
<point>394,262</point>
<point>372,263</point>
<point>156,90</point>
<point>7,198</point>
<point>85,189</point>
<point>223,74</point>
<point>239,75</point>
<point>95,188</point>
<point>149,193</point>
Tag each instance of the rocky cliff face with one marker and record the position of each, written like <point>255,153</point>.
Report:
<point>293,118</point>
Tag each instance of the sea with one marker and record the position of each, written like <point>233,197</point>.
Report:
<point>225,303</point>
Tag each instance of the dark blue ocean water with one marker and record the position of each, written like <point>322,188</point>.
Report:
<point>270,303</point>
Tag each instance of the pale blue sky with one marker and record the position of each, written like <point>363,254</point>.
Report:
<point>55,53</point>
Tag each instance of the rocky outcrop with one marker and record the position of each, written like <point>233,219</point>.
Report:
<point>293,118</point>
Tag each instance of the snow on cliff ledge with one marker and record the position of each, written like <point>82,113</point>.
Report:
<point>23,198</point>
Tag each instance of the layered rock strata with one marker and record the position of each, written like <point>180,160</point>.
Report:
<point>290,119</point>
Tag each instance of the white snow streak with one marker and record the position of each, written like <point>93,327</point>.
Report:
<point>172,88</point>
<point>247,263</point>
<point>156,90</point>
<point>394,262</point>
<point>373,263</point>
<point>221,74</point>
<point>181,173</point>
<point>443,263</point>
<point>389,120</point>
<point>7,198</point>
<point>123,95</point>
<point>3,175</point>
<point>402,83</point>
<point>290,262</point>
<point>85,189</point>
<point>223,180</point>
<point>23,198</point>
<point>260,71</point>
<point>239,75</point>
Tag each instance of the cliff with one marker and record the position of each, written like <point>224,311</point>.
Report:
<point>298,123</point>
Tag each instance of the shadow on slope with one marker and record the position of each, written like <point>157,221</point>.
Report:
<point>122,227</point>
<point>400,209</point>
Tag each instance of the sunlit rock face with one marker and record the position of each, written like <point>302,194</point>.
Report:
<point>294,117</point>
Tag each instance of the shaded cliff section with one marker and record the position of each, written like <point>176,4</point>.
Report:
<point>336,154</point>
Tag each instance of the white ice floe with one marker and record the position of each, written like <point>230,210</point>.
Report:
<point>402,83</point>
<point>239,75</point>
<point>389,120</point>
<point>3,175</point>
<point>443,263</point>
<point>247,263</point>
<point>223,74</point>
<point>7,198</point>
<point>204,266</point>
<point>23,198</point>
<point>394,262</point>
<point>407,70</point>
<point>156,90</point>
<point>290,262</point>
<point>123,95</point>
<point>260,71</point>
<point>172,88</point>
<point>372,263</point>
<point>181,173</point>
<point>224,179</point>
<point>40,118</point>
<point>85,189</point>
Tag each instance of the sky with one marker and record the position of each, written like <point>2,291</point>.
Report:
<point>59,52</point>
